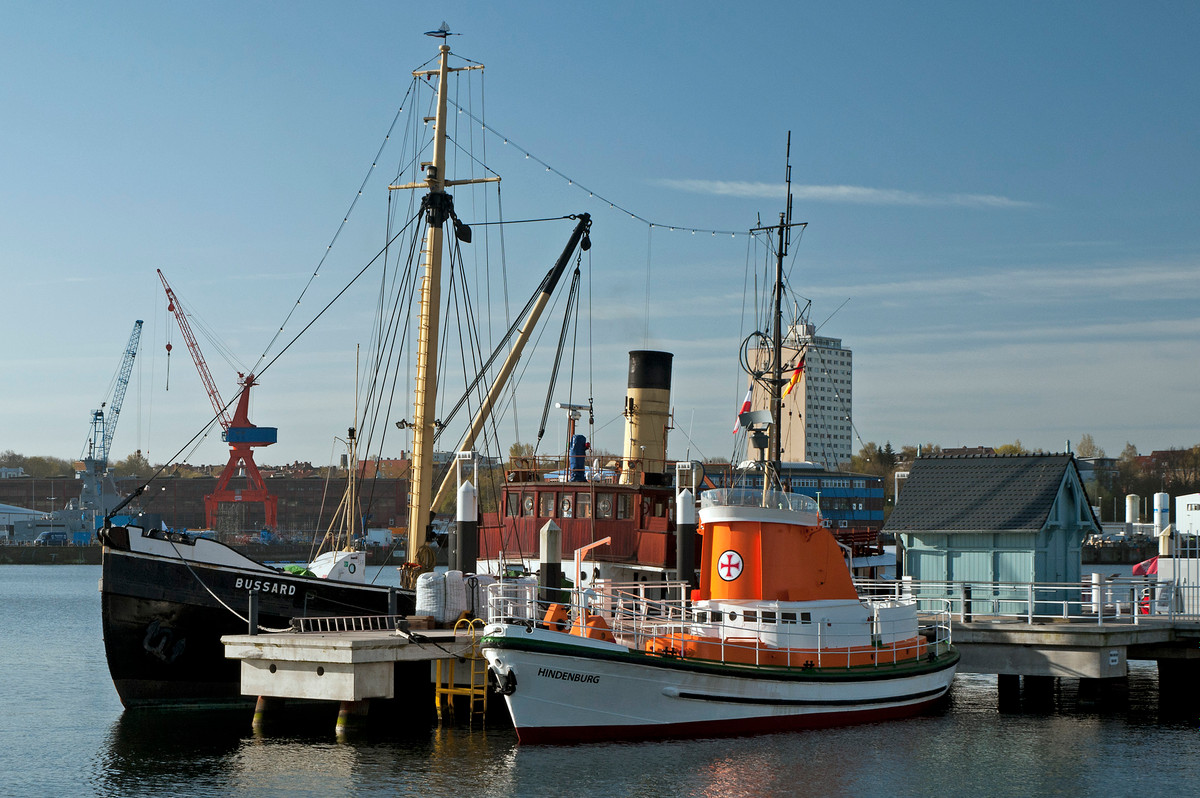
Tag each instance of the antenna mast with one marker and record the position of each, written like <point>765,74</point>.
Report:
<point>773,378</point>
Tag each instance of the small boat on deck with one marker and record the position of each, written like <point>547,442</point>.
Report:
<point>776,638</point>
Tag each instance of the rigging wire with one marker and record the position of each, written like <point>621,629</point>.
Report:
<point>611,203</point>
<point>568,310</point>
<point>337,233</point>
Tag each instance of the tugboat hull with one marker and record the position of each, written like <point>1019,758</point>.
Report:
<point>563,692</point>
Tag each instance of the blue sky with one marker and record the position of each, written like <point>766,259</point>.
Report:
<point>1002,201</point>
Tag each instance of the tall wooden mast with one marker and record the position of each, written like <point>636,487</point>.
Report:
<point>438,206</point>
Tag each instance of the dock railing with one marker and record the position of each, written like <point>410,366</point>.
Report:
<point>1100,600</point>
<point>656,617</point>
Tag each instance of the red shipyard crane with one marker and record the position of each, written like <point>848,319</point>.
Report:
<point>239,433</point>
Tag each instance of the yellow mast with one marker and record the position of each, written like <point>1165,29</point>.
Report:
<point>438,208</point>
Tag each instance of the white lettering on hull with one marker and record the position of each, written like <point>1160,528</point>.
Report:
<point>264,586</point>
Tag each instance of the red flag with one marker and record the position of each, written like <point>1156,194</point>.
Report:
<point>795,376</point>
<point>1146,567</point>
<point>737,423</point>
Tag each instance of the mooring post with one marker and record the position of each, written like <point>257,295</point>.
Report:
<point>551,568</point>
<point>465,548</point>
<point>351,715</point>
<point>685,543</point>
<point>252,615</point>
<point>393,601</point>
<point>263,708</point>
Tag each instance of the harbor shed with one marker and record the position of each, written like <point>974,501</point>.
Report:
<point>993,518</point>
<point>10,516</point>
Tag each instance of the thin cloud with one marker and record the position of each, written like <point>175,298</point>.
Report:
<point>857,195</point>
<point>1133,280</point>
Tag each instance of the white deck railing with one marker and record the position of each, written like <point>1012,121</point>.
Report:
<point>1116,600</point>
<point>637,613</point>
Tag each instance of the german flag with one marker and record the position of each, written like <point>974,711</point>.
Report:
<point>795,376</point>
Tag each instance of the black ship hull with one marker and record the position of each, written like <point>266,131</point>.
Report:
<point>166,602</point>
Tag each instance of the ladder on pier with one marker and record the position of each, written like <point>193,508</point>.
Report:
<point>475,683</point>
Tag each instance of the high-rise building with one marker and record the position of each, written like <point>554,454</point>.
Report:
<point>816,416</point>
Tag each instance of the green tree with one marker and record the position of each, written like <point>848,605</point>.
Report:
<point>888,455</point>
<point>135,465</point>
<point>518,449</point>
<point>909,452</point>
<point>44,467</point>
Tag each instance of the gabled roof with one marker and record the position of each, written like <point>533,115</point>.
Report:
<point>980,493</point>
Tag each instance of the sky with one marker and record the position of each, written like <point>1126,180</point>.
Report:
<point>1001,204</point>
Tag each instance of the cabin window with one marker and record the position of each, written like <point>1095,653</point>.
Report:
<point>702,617</point>
<point>546,504</point>
<point>527,505</point>
<point>513,505</point>
<point>716,616</point>
<point>625,505</point>
<point>751,616</point>
<point>658,508</point>
<point>566,506</point>
<point>768,617</point>
<point>787,617</point>
<point>805,617</point>
<point>604,505</point>
<point>583,505</point>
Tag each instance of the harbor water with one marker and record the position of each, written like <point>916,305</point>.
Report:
<point>64,733</point>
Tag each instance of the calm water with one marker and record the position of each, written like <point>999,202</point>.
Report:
<point>62,733</point>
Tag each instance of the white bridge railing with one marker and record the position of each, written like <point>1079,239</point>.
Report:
<point>1116,600</point>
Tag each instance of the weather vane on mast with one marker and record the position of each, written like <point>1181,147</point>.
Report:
<point>442,32</point>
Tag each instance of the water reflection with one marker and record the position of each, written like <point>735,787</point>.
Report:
<point>1077,743</point>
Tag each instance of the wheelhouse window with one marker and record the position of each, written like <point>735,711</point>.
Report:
<point>527,505</point>
<point>566,506</point>
<point>625,505</point>
<point>604,505</point>
<point>512,506</point>
<point>583,505</point>
<point>546,504</point>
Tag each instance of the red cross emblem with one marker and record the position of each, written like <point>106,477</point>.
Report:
<point>729,565</point>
